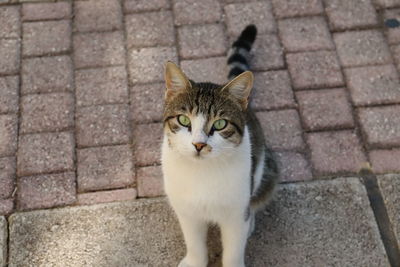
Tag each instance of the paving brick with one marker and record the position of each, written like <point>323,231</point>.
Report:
<point>147,64</point>
<point>212,69</point>
<point>336,152</point>
<point>98,49</point>
<point>46,74</point>
<point>373,85</point>
<point>239,15</point>
<point>156,29</point>
<point>8,135</point>
<point>147,141</point>
<point>6,206</point>
<point>147,102</point>
<point>102,125</point>
<point>47,112</point>
<point>290,8</point>
<point>45,11</point>
<point>9,94</point>
<point>150,182</point>
<point>356,48</point>
<point>385,160</point>
<point>314,69</point>
<point>194,12</point>
<point>266,53</point>
<point>9,54</point>
<point>7,177</point>
<point>105,168</point>
<point>45,152</point>
<point>305,34</point>
<point>325,109</point>
<point>46,191</point>
<point>107,196</point>
<point>344,15</point>
<point>392,34</point>
<point>282,129</point>
<point>101,86</point>
<point>97,15</point>
<point>293,167</point>
<point>201,40</point>
<point>145,5</point>
<point>387,3</point>
<point>10,22</point>
<point>381,125</point>
<point>46,37</point>
<point>272,90</point>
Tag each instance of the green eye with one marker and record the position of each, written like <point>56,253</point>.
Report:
<point>220,124</point>
<point>184,120</point>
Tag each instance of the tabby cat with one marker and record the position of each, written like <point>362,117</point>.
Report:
<point>216,166</point>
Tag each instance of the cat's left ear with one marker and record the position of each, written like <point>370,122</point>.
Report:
<point>240,87</point>
<point>175,79</point>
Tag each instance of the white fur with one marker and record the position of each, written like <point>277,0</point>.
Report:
<point>214,187</point>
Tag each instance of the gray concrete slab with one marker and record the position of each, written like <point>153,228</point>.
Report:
<point>390,187</point>
<point>3,241</point>
<point>324,223</point>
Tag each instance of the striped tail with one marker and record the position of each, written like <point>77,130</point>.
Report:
<point>239,53</point>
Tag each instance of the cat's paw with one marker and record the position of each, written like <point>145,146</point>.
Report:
<point>185,263</point>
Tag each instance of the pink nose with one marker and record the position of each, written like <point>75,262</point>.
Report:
<point>199,146</point>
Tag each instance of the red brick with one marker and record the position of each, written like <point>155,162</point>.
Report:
<point>46,191</point>
<point>107,196</point>
<point>344,14</point>
<point>10,22</point>
<point>147,102</point>
<point>97,15</point>
<point>145,5</point>
<point>385,161</point>
<point>6,206</point>
<point>101,86</point>
<point>46,74</point>
<point>272,90</point>
<point>336,152</point>
<point>267,53</point>
<point>9,54</point>
<point>212,69</point>
<point>99,49</point>
<point>387,3</point>
<point>102,125</point>
<point>156,29</point>
<point>293,167</point>
<point>47,112</point>
<point>201,40</point>
<point>150,182</point>
<point>104,168</point>
<point>9,94</point>
<point>45,152</point>
<point>305,34</point>
<point>374,85</point>
<point>314,69</point>
<point>282,129</point>
<point>7,177</point>
<point>325,109</point>
<point>356,48</point>
<point>147,64</point>
<point>147,141</point>
<point>381,125</point>
<point>8,135</point>
<point>238,16</point>
<point>45,11</point>
<point>290,8</point>
<point>393,34</point>
<point>46,37</point>
<point>194,12</point>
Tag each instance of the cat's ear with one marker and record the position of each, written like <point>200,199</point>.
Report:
<point>240,87</point>
<point>175,79</point>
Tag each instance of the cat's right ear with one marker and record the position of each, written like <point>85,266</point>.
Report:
<point>175,80</point>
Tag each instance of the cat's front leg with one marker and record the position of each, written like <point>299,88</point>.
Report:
<point>195,234</point>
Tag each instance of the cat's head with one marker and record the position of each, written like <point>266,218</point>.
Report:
<point>204,120</point>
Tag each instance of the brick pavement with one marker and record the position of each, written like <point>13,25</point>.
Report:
<point>81,89</point>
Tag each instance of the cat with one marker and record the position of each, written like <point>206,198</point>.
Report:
<point>216,165</point>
